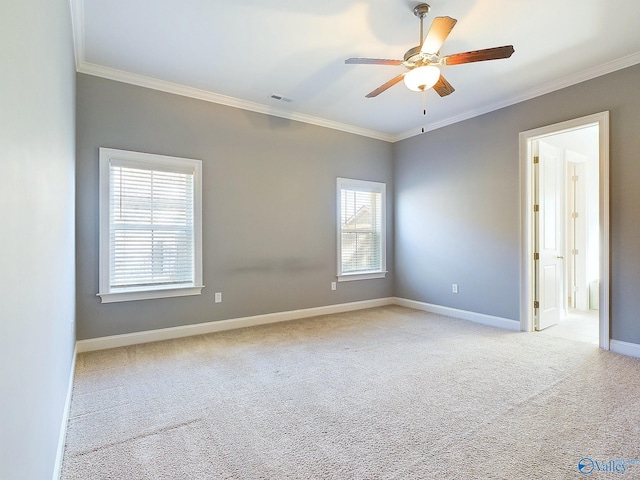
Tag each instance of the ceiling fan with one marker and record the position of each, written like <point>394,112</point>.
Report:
<point>423,61</point>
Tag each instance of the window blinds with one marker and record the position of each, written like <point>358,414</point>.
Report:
<point>151,225</point>
<point>361,230</point>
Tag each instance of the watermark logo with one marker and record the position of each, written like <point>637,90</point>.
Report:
<point>585,466</point>
<point>588,465</point>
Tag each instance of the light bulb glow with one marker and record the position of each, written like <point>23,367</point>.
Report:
<point>422,78</point>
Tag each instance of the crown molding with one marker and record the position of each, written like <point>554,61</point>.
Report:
<point>538,91</point>
<point>82,66</point>
<point>178,89</point>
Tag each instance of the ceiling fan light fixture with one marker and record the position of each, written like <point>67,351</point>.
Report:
<point>422,78</point>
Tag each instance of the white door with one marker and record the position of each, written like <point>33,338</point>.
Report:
<point>549,236</point>
<point>578,215</point>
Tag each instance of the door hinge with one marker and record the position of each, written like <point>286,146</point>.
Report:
<point>536,304</point>
<point>574,251</point>
<point>536,159</point>
<point>536,208</point>
<point>574,178</point>
<point>536,256</point>
<point>574,214</point>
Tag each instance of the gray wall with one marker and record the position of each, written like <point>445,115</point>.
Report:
<point>37,271</point>
<point>457,202</point>
<point>269,205</point>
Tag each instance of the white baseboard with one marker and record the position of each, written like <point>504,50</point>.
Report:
<point>127,339</point>
<point>62,440</point>
<point>625,348</point>
<point>124,340</point>
<point>490,320</point>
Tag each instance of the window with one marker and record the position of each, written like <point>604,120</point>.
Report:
<point>150,226</point>
<point>361,230</point>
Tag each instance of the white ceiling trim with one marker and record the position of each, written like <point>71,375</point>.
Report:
<point>561,83</point>
<point>170,87</point>
<point>82,66</point>
<point>178,89</point>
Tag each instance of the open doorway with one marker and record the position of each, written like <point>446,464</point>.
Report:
<point>565,240</point>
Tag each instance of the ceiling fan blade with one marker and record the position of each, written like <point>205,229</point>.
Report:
<point>385,86</point>
<point>372,61</point>
<point>478,55</point>
<point>438,33</point>
<point>442,87</point>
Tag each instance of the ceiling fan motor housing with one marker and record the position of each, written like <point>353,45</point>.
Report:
<point>415,58</point>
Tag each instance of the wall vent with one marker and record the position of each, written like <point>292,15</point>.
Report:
<point>280,98</point>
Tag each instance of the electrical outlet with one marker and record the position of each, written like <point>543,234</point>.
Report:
<point>333,285</point>
<point>218,297</point>
<point>454,288</point>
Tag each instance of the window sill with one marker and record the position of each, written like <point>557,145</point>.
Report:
<point>130,295</point>
<point>349,277</point>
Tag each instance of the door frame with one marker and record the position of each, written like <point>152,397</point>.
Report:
<point>526,218</point>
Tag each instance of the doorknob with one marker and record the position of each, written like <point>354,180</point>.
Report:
<point>560,257</point>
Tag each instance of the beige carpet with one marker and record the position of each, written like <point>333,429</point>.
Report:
<point>386,393</point>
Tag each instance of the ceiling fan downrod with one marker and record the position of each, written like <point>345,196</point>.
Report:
<point>421,11</point>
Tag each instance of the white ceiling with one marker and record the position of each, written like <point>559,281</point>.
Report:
<point>240,52</point>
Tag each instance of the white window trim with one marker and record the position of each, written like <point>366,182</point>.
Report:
<point>144,293</point>
<point>362,185</point>
<point>349,277</point>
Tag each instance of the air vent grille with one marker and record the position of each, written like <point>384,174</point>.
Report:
<point>280,98</point>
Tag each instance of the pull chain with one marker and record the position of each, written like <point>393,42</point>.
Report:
<point>424,108</point>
